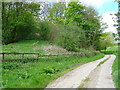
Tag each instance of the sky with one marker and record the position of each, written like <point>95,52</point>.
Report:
<point>105,8</point>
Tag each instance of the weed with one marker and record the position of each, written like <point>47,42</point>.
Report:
<point>102,62</point>
<point>87,79</point>
<point>82,86</point>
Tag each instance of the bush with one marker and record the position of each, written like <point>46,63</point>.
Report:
<point>71,38</point>
<point>42,30</point>
<point>88,52</point>
<point>17,29</point>
<point>105,41</point>
<point>54,32</point>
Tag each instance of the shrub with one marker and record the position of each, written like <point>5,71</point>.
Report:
<point>42,30</point>
<point>71,38</point>
<point>105,41</point>
<point>54,32</point>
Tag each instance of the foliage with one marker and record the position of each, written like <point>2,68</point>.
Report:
<point>106,41</point>
<point>72,38</point>
<point>56,13</point>
<point>116,72</point>
<point>37,74</point>
<point>74,13</point>
<point>113,48</point>
<point>42,30</point>
<point>25,46</point>
<point>55,30</point>
<point>87,19</point>
<point>77,25</point>
<point>18,20</point>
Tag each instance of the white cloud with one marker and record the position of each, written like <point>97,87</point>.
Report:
<point>107,18</point>
<point>95,3</point>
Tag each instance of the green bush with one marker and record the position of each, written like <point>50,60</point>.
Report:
<point>42,30</point>
<point>55,30</point>
<point>88,52</point>
<point>105,41</point>
<point>71,38</point>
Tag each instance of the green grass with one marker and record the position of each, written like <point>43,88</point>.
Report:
<point>83,85</point>
<point>25,46</point>
<point>116,72</point>
<point>102,62</point>
<point>113,48</point>
<point>37,74</point>
<point>87,79</point>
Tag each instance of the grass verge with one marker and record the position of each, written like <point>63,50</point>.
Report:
<point>116,72</point>
<point>39,73</point>
<point>103,61</point>
<point>84,82</point>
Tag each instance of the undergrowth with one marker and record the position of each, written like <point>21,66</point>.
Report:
<point>38,73</point>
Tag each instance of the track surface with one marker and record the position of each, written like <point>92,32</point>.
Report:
<point>101,77</point>
<point>75,77</point>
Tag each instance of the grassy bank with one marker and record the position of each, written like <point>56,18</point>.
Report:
<point>116,72</point>
<point>37,74</point>
<point>113,48</point>
<point>25,46</point>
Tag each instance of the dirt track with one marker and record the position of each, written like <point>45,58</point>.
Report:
<point>101,76</point>
<point>75,78</point>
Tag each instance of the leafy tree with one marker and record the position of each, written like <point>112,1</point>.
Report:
<point>87,19</point>
<point>106,41</point>
<point>72,38</point>
<point>118,18</point>
<point>17,20</point>
<point>74,13</point>
<point>56,13</point>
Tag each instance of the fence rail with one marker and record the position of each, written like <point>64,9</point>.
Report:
<point>22,55</point>
<point>37,55</point>
<point>35,58</point>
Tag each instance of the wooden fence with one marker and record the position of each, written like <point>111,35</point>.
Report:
<point>4,55</point>
<point>37,55</point>
<point>20,54</point>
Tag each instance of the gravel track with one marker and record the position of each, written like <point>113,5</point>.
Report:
<point>75,77</point>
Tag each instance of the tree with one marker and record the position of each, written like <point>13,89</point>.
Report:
<point>118,18</point>
<point>56,13</point>
<point>87,19</point>
<point>105,41</point>
<point>74,13</point>
<point>17,20</point>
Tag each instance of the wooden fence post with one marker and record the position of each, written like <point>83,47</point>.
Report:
<point>3,56</point>
<point>38,56</point>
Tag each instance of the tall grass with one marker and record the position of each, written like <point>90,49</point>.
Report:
<point>25,46</point>
<point>116,72</point>
<point>38,73</point>
<point>113,48</point>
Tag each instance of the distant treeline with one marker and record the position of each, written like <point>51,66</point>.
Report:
<point>70,25</point>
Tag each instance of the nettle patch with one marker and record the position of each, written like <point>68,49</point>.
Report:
<point>51,70</point>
